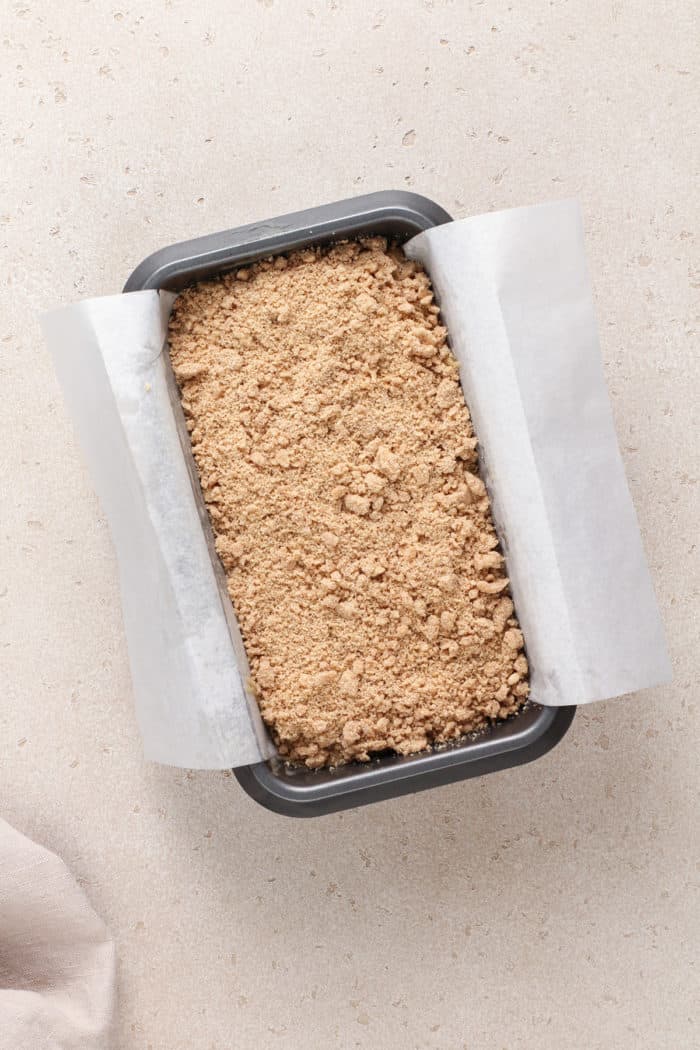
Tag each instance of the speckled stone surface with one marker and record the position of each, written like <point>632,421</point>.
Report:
<point>546,907</point>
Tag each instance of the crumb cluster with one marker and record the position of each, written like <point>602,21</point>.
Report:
<point>339,467</point>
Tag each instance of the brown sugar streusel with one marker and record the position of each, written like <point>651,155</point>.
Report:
<point>339,466</point>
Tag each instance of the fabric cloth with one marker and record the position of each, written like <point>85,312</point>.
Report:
<point>57,959</point>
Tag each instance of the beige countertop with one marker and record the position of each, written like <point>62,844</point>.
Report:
<point>545,907</point>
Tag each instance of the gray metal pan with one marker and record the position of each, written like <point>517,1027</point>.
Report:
<point>295,791</point>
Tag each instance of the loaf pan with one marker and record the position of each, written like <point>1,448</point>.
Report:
<point>296,791</point>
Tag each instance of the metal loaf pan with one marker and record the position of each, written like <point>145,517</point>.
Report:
<point>297,791</point>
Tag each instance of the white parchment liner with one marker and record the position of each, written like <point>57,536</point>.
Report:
<point>515,296</point>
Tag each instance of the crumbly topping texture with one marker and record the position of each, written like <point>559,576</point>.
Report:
<point>339,467</point>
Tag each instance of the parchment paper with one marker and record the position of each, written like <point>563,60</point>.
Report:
<point>187,661</point>
<point>516,299</point>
